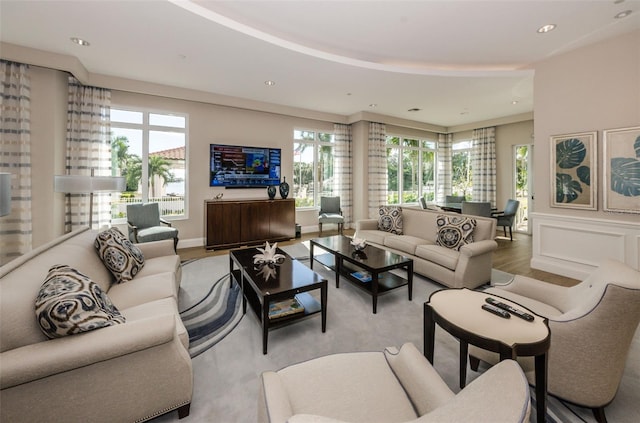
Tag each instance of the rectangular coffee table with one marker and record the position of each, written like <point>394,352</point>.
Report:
<point>344,260</point>
<point>286,280</point>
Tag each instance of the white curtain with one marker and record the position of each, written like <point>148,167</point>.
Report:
<point>88,150</point>
<point>377,168</point>
<point>15,158</point>
<point>483,165</point>
<point>444,167</point>
<point>342,170</point>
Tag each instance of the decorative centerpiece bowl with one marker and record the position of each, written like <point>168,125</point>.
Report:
<point>358,243</point>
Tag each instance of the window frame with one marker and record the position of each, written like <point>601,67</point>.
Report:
<point>146,128</point>
<point>401,148</point>
<point>463,145</point>
<point>316,143</point>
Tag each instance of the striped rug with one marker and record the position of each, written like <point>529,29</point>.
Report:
<point>209,306</point>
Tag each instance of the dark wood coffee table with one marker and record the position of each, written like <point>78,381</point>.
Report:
<point>286,280</point>
<point>344,260</point>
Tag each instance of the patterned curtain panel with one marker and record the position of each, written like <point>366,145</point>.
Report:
<point>444,167</point>
<point>377,168</point>
<point>342,169</point>
<point>15,158</point>
<point>483,165</point>
<point>88,150</point>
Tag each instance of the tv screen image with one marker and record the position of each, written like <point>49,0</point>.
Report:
<point>235,166</point>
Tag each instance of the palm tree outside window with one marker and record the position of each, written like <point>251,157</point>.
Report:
<point>149,150</point>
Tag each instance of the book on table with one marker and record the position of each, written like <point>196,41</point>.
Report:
<point>362,276</point>
<point>285,308</point>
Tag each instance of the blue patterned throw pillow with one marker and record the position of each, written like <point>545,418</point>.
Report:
<point>123,259</point>
<point>454,231</point>
<point>69,302</point>
<point>390,219</point>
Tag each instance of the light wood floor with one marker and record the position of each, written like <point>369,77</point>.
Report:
<point>511,256</point>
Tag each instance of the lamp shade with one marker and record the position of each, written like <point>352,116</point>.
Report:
<point>81,184</point>
<point>5,193</point>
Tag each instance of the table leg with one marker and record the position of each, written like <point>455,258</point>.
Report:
<point>265,324</point>
<point>311,255</point>
<point>429,328</point>
<point>230,272</point>
<point>410,279</point>
<point>323,305</point>
<point>541,387</point>
<point>244,297</point>
<point>337,261</point>
<point>464,351</point>
<point>374,291</point>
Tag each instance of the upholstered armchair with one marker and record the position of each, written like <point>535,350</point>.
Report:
<point>507,216</point>
<point>592,326</point>
<point>330,212</point>
<point>389,386</point>
<point>145,224</point>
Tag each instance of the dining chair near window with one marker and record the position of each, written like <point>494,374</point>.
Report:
<point>330,212</point>
<point>477,208</point>
<point>423,203</point>
<point>507,216</point>
<point>454,199</point>
<point>146,225</point>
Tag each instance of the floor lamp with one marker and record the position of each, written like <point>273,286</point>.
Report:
<point>5,193</point>
<point>82,184</point>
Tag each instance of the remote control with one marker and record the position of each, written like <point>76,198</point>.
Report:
<point>521,314</point>
<point>495,310</point>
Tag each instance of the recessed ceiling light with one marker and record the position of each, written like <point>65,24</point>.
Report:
<point>415,109</point>
<point>372,105</point>
<point>80,41</point>
<point>269,83</point>
<point>623,14</point>
<point>546,28</point>
<point>514,102</point>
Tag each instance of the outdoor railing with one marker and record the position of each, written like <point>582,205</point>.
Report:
<point>169,205</point>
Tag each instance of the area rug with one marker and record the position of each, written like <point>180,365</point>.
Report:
<point>226,375</point>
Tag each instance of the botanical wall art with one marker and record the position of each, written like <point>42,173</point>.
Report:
<point>621,170</point>
<point>574,171</point>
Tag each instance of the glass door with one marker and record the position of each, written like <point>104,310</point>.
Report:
<point>523,165</point>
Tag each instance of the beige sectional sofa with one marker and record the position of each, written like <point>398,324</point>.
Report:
<point>468,267</point>
<point>132,371</point>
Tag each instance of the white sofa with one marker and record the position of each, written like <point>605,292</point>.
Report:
<point>469,267</point>
<point>133,371</point>
<point>389,386</point>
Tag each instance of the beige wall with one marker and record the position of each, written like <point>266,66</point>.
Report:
<point>590,89</point>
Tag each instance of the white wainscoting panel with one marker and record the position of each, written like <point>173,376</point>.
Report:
<point>573,246</point>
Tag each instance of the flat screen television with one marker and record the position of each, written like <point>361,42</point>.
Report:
<point>235,166</point>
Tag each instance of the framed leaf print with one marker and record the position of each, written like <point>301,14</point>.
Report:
<point>574,171</point>
<point>621,170</point>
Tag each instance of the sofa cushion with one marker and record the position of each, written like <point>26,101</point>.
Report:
<point>390,219</point>
<point>454,231</point>
<point>442,256</point>
<point>123,259</point>
<point>406,243</point>
<point>69,303</point>
<point>143,290</point>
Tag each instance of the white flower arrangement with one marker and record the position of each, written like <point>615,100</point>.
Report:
<point>268,255</point>
<point>358,243</point>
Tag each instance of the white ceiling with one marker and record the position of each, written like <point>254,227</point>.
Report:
<point>457,61</point>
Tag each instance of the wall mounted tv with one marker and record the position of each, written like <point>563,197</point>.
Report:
<point>235,166</point>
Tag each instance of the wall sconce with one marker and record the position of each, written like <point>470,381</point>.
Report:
<point>82,184</point>
<point>5,193</point>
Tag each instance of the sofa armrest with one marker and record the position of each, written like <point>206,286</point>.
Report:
<point>273,400</point>
<point>501,394</point>
<point>478,248</point>
<point>366,224</point>
<point>157,248</point>
<point>43,359</point>
<point>544,292</point>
